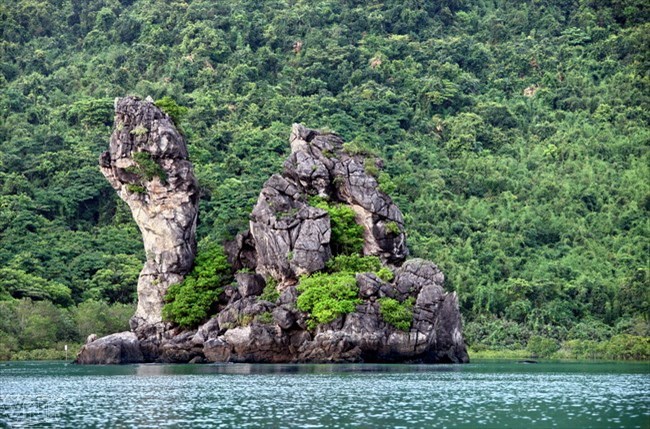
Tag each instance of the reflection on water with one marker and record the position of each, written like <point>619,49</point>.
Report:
<point>488,394</point>
<point>246,368</point>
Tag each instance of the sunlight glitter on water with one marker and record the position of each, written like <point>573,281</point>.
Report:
<point>323,396</point>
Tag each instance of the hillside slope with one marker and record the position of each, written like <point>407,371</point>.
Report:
<point>515,137</point>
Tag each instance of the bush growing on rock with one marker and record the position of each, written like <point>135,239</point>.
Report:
<point>147,167</point>
<point>270,292</point>
<point>170,107</point>
<point>354,264</point>
<point>327,296</point>
<point>189,302</point>
<point>359,264</point>
<point>347,234</point>
<point>398,314</point>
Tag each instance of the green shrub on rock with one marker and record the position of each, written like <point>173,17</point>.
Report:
<point>347,234</point>
<point>270,293</point>
<point>173,109</point>
<point>354,264</point>
<point>359,264</point>
<point>147,167</point>
<point>327,296</point>
<point>265,318</point>
<point>189,302</point>
<point>398,314</point>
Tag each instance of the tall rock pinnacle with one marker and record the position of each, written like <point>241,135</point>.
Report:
<point>147,164</point>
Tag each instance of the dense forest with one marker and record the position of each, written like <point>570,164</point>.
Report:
<point>514,136</point>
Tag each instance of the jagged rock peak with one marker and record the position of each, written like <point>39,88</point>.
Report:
<point>320,165</point>
<point>147,164</point>
<point>292,238</point>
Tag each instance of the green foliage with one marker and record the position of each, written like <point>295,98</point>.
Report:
<point>136,189</point>
<point>189,303</point>
<point>147,167</point>
<point>393,228</point>
<point>170,107</point>
<point>514,139</point>
<point>497,354</point>
<point>398,314</point>
<point>54,353</point>
<point>487,332</point>
<point>19,284</point>
<point>270,293</point>
<point>93,112</point>
<point>347,234</point>
<point>542,347</point>
<point>327,296</point>
<point>39,329</point>
<point>619,347</point>
<point>385,274</point>
<point>115,281</point>
<point>139,131</point>
<point>266,317</point>
<point>354,264</point>
<point>244,319</point>
<point>100,318</point>
<point>370,167</point>
<point>386,185</point>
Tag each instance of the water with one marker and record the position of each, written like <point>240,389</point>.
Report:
<point>478,395</point>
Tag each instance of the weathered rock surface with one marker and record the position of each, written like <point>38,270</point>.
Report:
<point>147,164</point>
<point>362,336</point>
<point>123,347</point>
<point>289,238</point>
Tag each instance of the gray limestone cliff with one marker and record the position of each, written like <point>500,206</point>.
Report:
<point>288,238</point>
<point>147,164</point>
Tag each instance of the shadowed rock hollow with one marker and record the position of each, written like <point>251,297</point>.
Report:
<point>290,238</point>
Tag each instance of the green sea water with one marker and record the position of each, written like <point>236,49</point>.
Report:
<point>478,395</point>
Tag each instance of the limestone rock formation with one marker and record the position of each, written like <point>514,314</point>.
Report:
<point>361,336</point>
<point>257,318</point>
<point>147,164</point>
<point>290,237</point>
<point>319,165</point>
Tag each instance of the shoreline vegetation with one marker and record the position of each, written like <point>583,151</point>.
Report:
<point>619,348</point>
<point>44,329</point>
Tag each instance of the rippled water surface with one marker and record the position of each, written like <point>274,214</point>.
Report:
<point>484,394</point>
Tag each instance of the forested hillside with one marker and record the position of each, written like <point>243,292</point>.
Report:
<point>514,136</point>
